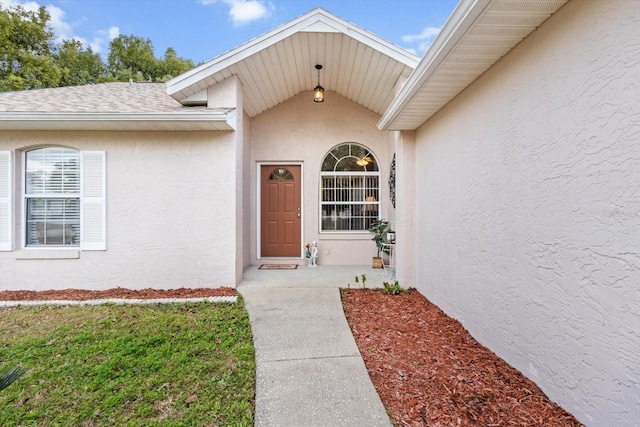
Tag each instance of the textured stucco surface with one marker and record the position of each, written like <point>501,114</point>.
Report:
<point>405,217</point>
<point>171,213</point>
<point>529,209</point>
<point>300,130</point>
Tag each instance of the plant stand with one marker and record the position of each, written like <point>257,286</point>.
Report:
<point>390,265</point>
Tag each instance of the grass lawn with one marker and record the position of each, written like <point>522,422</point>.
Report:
<point>158,365</point>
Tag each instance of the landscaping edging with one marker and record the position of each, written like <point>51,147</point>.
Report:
<point>119,301</point>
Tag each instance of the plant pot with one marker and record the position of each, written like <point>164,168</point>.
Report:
<point>377,262</point>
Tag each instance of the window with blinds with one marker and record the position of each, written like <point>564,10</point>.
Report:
<point>52,197</point>
<point>350,189</point>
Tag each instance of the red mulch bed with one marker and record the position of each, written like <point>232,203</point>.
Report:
<point>429,371</point>
<point>83,295</point>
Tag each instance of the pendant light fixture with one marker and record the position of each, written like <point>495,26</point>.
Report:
<point>318,91</point>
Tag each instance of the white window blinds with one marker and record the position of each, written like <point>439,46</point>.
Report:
<point>52,196</point>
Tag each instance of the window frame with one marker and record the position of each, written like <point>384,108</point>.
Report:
<point>25,196</point>
<point>93,212</point>
<point>364,175</point>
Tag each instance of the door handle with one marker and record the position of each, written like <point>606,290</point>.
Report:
<point>298,215</point>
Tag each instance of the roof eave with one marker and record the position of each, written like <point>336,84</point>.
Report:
<point>432,85</point>
<point>462,18</point>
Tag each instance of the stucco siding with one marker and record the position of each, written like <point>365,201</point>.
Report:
<point>405,215</point>
<point>170,213</point>
<point>528,213</point>
<point>300,130</point>
<point>246,191</point>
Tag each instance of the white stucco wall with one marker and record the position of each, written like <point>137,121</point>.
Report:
<point>300,130</point>
<point>405,217</point>
<point>529,209</point>
<point>246,191</point>
<point>170,213</point>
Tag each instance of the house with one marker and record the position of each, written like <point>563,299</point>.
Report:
<point>225,166</point>
<point>506,158</point>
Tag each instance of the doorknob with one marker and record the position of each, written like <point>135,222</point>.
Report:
<point>298,215</point>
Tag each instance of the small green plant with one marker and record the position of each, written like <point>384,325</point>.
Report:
<point>380,228</point>
<point>394,289</point>
<point>362,279</point>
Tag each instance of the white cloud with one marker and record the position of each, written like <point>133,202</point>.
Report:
<point>242,12</point>
<point>113,32</point>
<point>64,30</point>
<point>102,39</point>
<point>424,39</point>
<point>61,29</point>
<point>30,6</point>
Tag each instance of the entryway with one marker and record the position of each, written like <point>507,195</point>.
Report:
<point>325,276</point>
<point>280,211</point>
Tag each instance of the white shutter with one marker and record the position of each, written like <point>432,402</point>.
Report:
<point>6,202</point>
<point>93,229</point>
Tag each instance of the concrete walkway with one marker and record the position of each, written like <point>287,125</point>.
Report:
<point>309,369</point>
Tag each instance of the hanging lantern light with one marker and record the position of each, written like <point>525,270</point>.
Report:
<point>318,91</point>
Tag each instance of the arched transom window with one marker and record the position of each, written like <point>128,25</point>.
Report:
<point>350,189</point>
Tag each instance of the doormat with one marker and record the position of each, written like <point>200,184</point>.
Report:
<point>278,267</point>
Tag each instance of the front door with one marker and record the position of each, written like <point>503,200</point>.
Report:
<point>280,215</point>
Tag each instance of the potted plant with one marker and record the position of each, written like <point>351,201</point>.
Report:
<point>379,228</point>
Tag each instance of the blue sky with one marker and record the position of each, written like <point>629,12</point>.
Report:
<point>202,29</point>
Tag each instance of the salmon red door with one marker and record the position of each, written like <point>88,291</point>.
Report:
<point>280,215</point>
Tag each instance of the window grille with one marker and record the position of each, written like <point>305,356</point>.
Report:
<point>350,189</point>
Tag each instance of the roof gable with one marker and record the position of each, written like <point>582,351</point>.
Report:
<point>281,64</point>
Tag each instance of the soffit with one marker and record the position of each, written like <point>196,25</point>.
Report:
<point>281,64</point>
<point>476,36</point>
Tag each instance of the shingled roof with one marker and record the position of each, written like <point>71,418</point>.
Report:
<point>105,106</point>
<point>94,98</point>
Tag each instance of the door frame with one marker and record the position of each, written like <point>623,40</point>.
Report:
<point>259,205</point>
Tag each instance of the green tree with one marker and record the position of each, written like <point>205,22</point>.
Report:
<point>172,65</point>
<point>78,66</point>
<point>131,57</point>
<point>29,58</point>
<point>26,44</point>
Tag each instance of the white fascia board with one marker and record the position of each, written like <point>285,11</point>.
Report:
<point>232,119</point>
<point>307,21</point>
<point>199,98</point>
<point>21,120</point>
<point>461,20</point>
<point>123,117</point>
